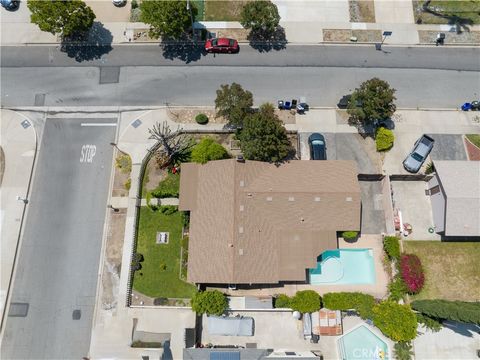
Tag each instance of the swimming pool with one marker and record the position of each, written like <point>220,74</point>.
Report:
<point>344,266</point>
<point>361,343</point>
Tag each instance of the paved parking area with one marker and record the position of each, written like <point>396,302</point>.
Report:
<point>448,147</point>
<point>373,215</point>
<point>347,146</point>
<point>410,198</point>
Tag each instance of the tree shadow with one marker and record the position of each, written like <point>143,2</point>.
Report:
<point>461,328</point>
<point>461,24</point>
<point>87,46</point>
<point>186,50</point>
<point>267,41</point>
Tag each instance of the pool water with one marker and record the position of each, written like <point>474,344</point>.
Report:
<point>361,343</point>
<point>344,266</point>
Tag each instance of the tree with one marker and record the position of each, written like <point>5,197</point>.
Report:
<point>362,303</point>
<point>373,100</point>
<point>209,302</point>
<point>208,149</point>
<point>263,136</point>
<point>174,146</point>
<point>306,301</point>
<point>403,350</point>
<point>168,19</point>
<point>61,16</point>
<point>467,312</point>
<point>260,16</point>
<point>396,321</point>
<point>233,103</point>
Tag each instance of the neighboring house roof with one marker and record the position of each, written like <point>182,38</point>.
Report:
<point>245,354</point>
<point>460,181</point>
<point>256,222</point>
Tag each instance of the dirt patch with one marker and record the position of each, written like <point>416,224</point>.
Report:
<point>286,116</point>
<point>155,175</point>
<point>344,35</point>
<point>113,258</point>
<point>362,11</point>
<point>185,116</point>
<point>473,152</point>
<point>119,181</point>
<point>222,10</point>
<point>470,37</point>
<point>238,34</point>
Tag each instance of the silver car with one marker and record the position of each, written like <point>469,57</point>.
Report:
<point>415,159</point>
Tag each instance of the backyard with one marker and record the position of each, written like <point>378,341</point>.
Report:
<point>463,12</point>
<point>160,273</point>
<point>452,269</point>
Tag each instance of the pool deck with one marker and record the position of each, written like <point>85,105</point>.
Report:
<point>379,289</point>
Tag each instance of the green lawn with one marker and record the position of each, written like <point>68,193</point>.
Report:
<point>168,187</point>
<point>474,139</point>
<point>223,10</point>
<point>452,269</point>
<point>156,282</point>
<point>200,6</point>
<point>466,11</point>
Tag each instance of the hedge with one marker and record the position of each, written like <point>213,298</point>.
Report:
<point>209,302</point>
<point>397,289</point>
<point>349,235</point>
<point>208,149</point>
<point>412,273</point>
<point>391,245</point>
<point>466,312</point>
<point>362,303</point>
<point>306,301</point>
<point>282,301</point>
<point>384,139</point>
<point>398,322</point>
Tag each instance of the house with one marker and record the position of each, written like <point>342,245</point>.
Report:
<point>455,196</point>
<point>258,223</point>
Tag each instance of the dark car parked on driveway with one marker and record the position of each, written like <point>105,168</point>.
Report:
<point>10,4</point>
<point>317,147</point>
<point>416,158</point>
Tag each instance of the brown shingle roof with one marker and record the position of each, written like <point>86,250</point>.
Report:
<point>256,222</point>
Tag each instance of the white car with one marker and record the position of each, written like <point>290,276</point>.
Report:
<point>119,2</point>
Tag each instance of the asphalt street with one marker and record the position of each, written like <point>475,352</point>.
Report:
<point>58,262</point>
<point>142,76</point>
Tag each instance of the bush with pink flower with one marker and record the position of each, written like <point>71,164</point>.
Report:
<point>412,272</point>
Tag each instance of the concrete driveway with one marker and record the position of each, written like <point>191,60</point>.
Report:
<point>347,146</point>
<point>373,214</point>
<point>448,147</point>
<point>313,11</point>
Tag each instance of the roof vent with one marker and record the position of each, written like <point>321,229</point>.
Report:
<point>348,199</point>
<point>230,245</point>
<point>240,251</point>
<point>250,195</point>
<point>242,183</point>
<point>269,198</point>
<point>291,198</point>
<point>240,229</point>
<point>302,219</point>
<point>317,198</point>
<point>240,158</point>
<point>242,207</point>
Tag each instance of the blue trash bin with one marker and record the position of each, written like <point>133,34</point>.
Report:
<point>467,106</point>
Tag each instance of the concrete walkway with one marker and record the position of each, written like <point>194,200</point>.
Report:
<point>19,143</point>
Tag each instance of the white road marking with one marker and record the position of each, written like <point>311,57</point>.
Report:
<point>98,124</point>
<point>87,153</point>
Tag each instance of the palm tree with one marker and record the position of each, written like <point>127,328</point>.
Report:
<point>403,350</point>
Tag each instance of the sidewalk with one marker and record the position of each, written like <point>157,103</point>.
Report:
<point>304,21</point>
<point>19,144</point>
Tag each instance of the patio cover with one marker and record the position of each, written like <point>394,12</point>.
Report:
<point>230,326</point>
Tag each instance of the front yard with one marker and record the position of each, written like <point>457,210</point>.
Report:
<point>223,10</point>
<point>452,269</point>
<point>466,12</point>
<point>160,273</point>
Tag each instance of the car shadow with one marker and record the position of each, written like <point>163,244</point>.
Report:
<point>265,42</point>
<point>88,46</point>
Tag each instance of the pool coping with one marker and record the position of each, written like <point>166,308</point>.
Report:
<point>373,330</point>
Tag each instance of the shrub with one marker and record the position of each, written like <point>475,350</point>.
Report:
<point>209,302</point>
<point>397,289</point>
<point>350,235</point>
<point>403,350</point>
<point>124,163</point>
<point>391,245</point>
<point>412,273</point>
<point>168,209</point>
<point>201,119</point>
<point>396,321</point>
<point>163,266</point>
<point>282,301</point>
<point>138,257</point>
<point>430,168</point>
<point>208,149</point>
<point>169,187</point>
<point>146,345</point>
<point>429,323</point>
<point>136,266</point>
<point>160,301</point>
<point>306,301</point>
<point>467,312</point>
<point>362,303</point>
<point>128,184</point>
<point>148,199</point>
<point>384,139</point>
